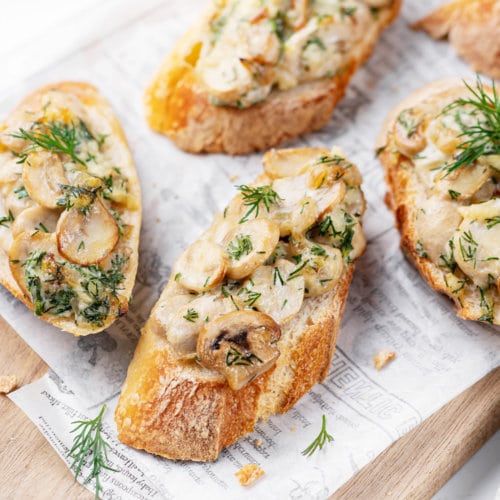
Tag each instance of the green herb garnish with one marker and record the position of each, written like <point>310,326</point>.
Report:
<point>236,358</point>
<point>56,137</point>
<point>320,441</point>
<point>253,197</point>
<point>191,315</point>
<point>242,246</point>
<point>89,445</point>
<point>483,138</point>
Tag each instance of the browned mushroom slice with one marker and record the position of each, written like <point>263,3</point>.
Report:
<point>290,162</point>
<point>249,245</point>
<point>43,175</point>
<point>201,266</point>
<point>35,219</point>
<point>87,236</point>
<point>408,134</point>
<point>241,345</point>
<point>271,291</point>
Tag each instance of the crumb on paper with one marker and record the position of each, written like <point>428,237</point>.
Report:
<point>7,383</point>
<point>233,178</point>
<point>382,358</point>
<point>258,443</point>
<point>248,474</point>
<point>293,428</point>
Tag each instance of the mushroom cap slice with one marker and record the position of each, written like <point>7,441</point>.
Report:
<point>273,292</point>
<point>320,265</point>
<point>186,323</point>
<point>249,245</point>
<point>408,134</point>
<point>87,236</point>
<point>26,245</point>
<point>201,266</point>
<point>43,175</point>
<point>290,162</point>
<point>241,345</point>
<point>35,219</point>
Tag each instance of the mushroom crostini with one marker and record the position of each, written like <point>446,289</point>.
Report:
<point>70,208</point>
<point>248,321</point>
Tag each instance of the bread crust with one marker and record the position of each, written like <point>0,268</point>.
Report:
<point>403,186</point>
<point>472,27</point>
<point>89,96</point>
<point>191,415</point>
<point>178,107</point>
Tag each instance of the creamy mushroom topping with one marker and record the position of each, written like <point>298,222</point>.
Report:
<point>253,46</point>
<point>283,239</point>
<point>453,142</point>
<point>64,207</point>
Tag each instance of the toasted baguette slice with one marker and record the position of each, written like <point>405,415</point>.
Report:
<point>198,118</point>
<point>472,27</point>
<point>70,208</point>
<point>447,210</point>
<point>176,404</point>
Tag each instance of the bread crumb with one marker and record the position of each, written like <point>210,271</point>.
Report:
<point>382,358</point>
<point>293,428</point>
<point>248,474</point>
<point>258,443</point>
<point>8,383</point>
<point>233,178</point>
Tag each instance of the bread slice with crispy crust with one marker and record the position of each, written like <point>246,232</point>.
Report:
<point>472,27</point>
<point>70,107</point>
<point>427,216</point>
<point>181,408</point>
<point>178,104</point>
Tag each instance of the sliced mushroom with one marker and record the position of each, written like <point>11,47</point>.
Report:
<point>28,245</point>
<point>249,245</point>
<point>463,182</point>
<point>201,267</point>
<point>271,290</point>
<point>186,323</point>
<point>241,345</point>
<point>87,236</point>
<point>408,134</point>
<point>300,195</point>
<point>35,219</point>
<point>290,162</point>
<point>445,130</point>
<point>43,175</point>
<point>477,251</point>
<point>320,265</point>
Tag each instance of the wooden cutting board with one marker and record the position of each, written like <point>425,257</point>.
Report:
<point>415,466</point>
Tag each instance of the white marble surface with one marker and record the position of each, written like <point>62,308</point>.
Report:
<point>22,35</point>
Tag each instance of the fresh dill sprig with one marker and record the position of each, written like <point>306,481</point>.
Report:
<point>483,138</point>
<point>236,358</point>
<point>241,246</point>
<point>320,441</point>
<point>254,196</point>
<point>88,443</point>
<point>5,221</point>
<point>191,315</point>
<point>56,137</point>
